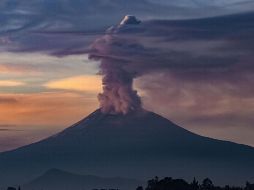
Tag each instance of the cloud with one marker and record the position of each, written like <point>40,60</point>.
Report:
<point>39,109</point>
<point>30,27</point>
<point>38,64</point>
<point>217,110</point>
<point>90,84</point>
<point>7,100</point>
<point>23,24</point>
<point>118,96</point>
<point>17,69</point>
<point>192,52</point>
<point>6,130</point>
<point>11,83</point>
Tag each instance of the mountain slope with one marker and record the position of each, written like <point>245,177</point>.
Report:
<point>138,145</point>
<point>58,179</point>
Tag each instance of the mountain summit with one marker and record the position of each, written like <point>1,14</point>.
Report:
<point>140,144</point>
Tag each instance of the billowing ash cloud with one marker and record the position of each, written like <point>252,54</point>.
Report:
<point>190,52</point>
<point>118,95</point>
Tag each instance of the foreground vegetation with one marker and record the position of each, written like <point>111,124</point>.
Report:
<point>179,184</point>
<point>169,183</point>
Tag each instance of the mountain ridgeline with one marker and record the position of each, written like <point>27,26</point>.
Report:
<point>139,145</point>
<point>57,179</point>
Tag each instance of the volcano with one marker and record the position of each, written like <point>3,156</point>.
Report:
<point>140,144</point>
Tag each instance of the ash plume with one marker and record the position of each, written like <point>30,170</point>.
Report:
<point>175,57</point>
<point>118,95</point>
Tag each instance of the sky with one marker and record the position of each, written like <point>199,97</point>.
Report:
<point>189,63</point>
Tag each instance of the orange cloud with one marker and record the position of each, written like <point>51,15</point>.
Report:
<point>10,83</point>
<point>89,83</point>
<point>17,69</point>
<point>6,69</point>
<point>46,109</point>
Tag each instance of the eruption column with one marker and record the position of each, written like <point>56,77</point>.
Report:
<point>118,95</point>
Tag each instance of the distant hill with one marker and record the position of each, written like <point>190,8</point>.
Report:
<point>57,179</point>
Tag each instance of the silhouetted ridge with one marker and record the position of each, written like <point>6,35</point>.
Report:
<point>58,179</point>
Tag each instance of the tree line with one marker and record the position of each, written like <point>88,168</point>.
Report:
<point>169,183</point>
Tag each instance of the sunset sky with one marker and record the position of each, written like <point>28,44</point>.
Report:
<point>47,81</point>
<point>42,94</point>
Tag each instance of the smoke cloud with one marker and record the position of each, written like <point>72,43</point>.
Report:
<point>191,52</point>
<point>118,94</point>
